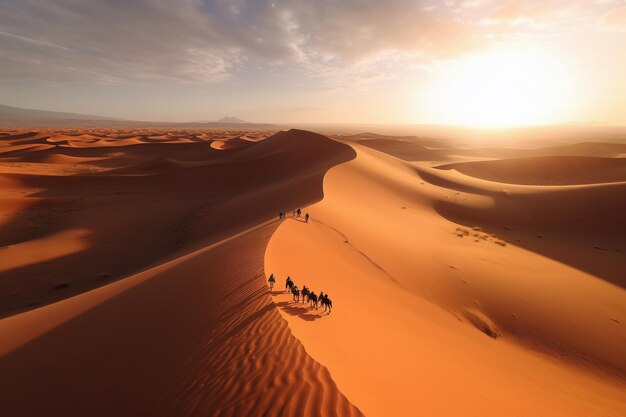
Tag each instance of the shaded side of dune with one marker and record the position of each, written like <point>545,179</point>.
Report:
<point>199,337</point>
<point>547,170</point>
<point>579,226</point>
<point>171,199</point>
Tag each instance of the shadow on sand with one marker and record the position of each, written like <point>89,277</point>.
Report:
<point>298,219</point>
<point>300,310</point>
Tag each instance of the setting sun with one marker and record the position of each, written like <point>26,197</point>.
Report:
<point>502,89</point>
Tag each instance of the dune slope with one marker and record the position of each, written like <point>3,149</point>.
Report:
<point>439,312</point>
<point>192,337</point>
<point>547,170</point>
<point>188,327</point>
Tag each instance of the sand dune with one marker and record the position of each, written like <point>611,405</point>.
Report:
<point>15,149</point>
<point>164,197</point>
<point>152,166</point>
<point>231,143</point>
<point>14,135</point>
<point>549,170</point>
<point>429,276</point>
<point>197,334</point>
<point>412,148</point>
<point>404,144</point>
<point>466,280</point>
<point>585,149</point>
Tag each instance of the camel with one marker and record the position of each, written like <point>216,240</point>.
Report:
<point>296,293</point>
<point>305,293</point>
<point>326,302</point>
<point>313,299</point>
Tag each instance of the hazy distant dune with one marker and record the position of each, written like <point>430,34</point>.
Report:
<point>548,170</point>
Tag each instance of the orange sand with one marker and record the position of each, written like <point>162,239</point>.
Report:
<point>156,267</point>
<point>448,303</point>
<point>466,280</point>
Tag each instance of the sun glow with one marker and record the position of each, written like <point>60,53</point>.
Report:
<point>502,89</point>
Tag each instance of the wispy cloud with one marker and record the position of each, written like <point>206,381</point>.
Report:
<point>213,41</point>
<point>207,41</point>
<point>615,19</point>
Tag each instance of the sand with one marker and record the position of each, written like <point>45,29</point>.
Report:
<point>137,288</point>
<point>465,280</point>
<point>459,296</point>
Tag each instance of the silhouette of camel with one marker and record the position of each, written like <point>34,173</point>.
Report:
<point>305,293</point>
<point>327,303</point>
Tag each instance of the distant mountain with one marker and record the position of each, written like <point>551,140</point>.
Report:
<point>15,116</point>
<point>232,120</point>
<point>228,120</point>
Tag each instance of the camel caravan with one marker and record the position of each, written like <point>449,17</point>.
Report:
<point>296,213</point>
<point>305,295</point>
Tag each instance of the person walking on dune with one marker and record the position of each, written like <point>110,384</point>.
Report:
<point>288,284</point>
<point>306,218</point>
<point>272,281</point>
<point>298,213</point>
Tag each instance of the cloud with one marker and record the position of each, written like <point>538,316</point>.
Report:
<point>523,11</point>
<point>615,19</point>
<point>354,30</point>
<point>606,1</point>
<point>473,4</point>
<point>215,41</point>
<point>116,41</point>
<point>533,14</point>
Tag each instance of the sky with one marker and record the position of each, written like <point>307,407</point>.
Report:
<point>465,62</point>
